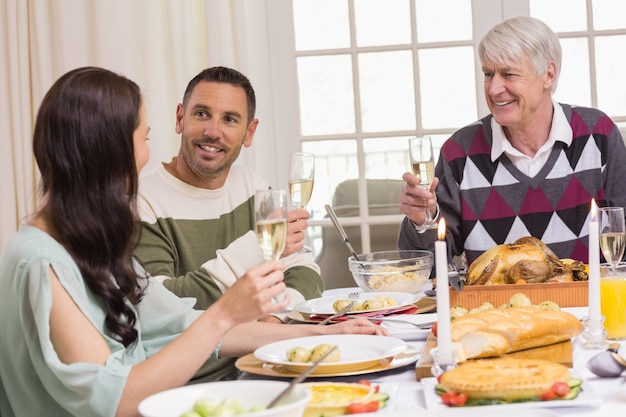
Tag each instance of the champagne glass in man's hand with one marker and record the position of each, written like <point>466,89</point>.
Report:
<point>270,210</point>
<point>423,167</point>
<point>301,178</point>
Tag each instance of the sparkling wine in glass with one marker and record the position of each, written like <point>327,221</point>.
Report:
<point>301,178</point>
<point>423,165</point>
<point>270,208</point>
<point>612,234</point>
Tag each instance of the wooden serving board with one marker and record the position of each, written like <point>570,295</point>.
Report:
<point>558,352</point>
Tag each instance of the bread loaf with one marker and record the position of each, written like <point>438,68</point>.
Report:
<point>499,331</point>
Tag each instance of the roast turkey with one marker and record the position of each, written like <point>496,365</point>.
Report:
<point>527,259</point>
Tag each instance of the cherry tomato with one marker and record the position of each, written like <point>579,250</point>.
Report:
<point>368,383</point>
<point>434,329</point>
<point>372,406</point>
<point>458,400</point>
<point>548,395</point>
<point>454,399</point>
<point>357,408</point>
<point>561,389</point>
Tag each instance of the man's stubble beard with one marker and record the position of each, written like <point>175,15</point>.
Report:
<point>200,169</point>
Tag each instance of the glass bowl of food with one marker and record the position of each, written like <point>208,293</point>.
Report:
<point>392,271</point>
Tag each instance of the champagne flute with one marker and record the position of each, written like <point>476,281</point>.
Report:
<point>301,178</point>
<point>612,234</point>
<point>423,165</point>
<point>270,210</point>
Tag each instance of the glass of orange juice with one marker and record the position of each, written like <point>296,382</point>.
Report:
<point>613,300</point>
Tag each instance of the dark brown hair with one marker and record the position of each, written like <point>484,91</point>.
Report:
<point>227,76</point>
<point>83,144</point>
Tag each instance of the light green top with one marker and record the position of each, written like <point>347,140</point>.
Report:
<point>34,382</point>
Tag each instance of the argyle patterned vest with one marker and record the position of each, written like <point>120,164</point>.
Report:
<point>500,204</point>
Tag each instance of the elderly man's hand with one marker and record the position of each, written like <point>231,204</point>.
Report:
<point>414,199</point>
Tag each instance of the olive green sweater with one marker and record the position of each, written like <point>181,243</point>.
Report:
<point>197,242</point>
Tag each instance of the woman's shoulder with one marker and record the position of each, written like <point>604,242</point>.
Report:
<point>31,243</point>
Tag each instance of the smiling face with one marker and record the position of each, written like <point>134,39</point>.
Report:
<point>214,127</point>
<point>517,97</point>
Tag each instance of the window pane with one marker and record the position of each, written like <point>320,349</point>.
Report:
<point>574,81</point>
<point>321,24</point>
<point>443,20</point>
<point>382,22</point>
<point>326,95</point>
<point>610,74</point>
<point>335,161</point>
<point>447,87</point>
<point>609,14</point>
<point>551,12</point>
<point>386,158</point>
<point>387,93</point>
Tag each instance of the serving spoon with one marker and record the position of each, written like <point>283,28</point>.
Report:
<point>342,232</point>
<point>608,363</point>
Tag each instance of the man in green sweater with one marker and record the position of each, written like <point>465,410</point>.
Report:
<point>197,210</point>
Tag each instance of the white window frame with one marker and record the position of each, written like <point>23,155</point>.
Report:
<point>486,14</point>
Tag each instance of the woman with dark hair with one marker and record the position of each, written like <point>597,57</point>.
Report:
<point>78,312</point>
<point>85,330</point>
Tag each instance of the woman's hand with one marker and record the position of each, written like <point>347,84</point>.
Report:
<point>297,223</point>
<point>359,325</point>
<point>254,295</point>
<point>415,199</point>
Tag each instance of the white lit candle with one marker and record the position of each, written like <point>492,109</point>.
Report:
<point>444,338</point>
<point>594,266</point>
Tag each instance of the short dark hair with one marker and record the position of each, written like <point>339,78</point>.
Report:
<point>227,76</point>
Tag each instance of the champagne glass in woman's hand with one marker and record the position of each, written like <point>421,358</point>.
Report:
<point>423,167</point>
<point>612,234</point>
<point>301,178</point>
<point>270,210</point>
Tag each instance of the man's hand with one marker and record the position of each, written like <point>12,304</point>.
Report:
<point>414,199</point>
<point>297,223</point>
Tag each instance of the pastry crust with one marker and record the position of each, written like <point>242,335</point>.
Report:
<point>510,379</point>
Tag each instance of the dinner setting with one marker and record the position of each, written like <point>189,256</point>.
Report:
<point>313,208</point>
<point>509,349</point>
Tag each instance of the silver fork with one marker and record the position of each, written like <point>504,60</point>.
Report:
<point>353,297</point>
<point>427,325</point>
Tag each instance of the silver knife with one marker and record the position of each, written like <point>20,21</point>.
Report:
<point>340,313</point>
<point>300,377</point>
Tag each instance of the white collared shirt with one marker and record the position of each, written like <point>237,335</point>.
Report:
<point>560,131</point>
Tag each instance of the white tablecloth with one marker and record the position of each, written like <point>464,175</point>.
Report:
<point>408,395</point>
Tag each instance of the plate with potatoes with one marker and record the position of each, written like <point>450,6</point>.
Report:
<point>355,352</point>
<point>368,302</point>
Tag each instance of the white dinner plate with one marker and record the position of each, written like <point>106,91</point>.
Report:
<point>176,401</point>
<point>357,351</point>
<point>587,397</point>
<point>324,305</point>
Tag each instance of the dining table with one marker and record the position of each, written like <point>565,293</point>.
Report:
<point>603,397</point>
